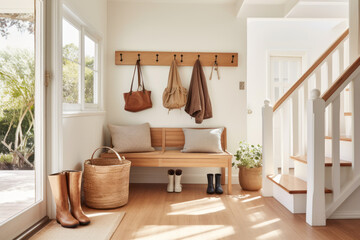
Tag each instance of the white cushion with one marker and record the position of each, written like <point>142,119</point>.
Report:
<point>203,140</point>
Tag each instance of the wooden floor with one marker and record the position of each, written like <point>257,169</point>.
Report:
<point>17,192</point>
<point>152,213</point>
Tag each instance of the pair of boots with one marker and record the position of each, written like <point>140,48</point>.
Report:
<point>66,186</point>
<point>210,189</point>
<point>174,180</point>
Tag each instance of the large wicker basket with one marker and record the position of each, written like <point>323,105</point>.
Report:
<point>106,181</point>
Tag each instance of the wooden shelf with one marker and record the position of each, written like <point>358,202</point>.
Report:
<point>291,184</point>
<point>182,58</point>
<point>342,138</point>
<point>328,161</point>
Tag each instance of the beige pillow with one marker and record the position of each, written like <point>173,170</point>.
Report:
<point>133,138</point>
<point>203,140</point>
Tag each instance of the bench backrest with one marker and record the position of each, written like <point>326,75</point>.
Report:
<point>174,137</point>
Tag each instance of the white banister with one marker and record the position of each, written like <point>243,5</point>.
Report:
<point>267,145</point>
<point>335,147</point>
<point>304,119</point>
<point>315,202</point>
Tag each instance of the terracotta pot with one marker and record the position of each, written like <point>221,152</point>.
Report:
<point>250,178</point>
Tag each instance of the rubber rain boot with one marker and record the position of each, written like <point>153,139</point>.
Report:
<point>218,188</point>
<point>178,186</point>
<point>210,188</point>
<point>170,186</point>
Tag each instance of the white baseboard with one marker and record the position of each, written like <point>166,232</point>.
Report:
<point>162,178</point>
<point>345,215</point>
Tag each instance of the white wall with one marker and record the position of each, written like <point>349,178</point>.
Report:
<point>83,133</point>
<point>310,37</point>
<point>177,27</point>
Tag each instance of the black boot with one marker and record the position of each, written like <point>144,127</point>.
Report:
<point>210,188</point>
<point>218,188</point>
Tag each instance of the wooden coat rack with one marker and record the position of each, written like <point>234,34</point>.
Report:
<point>182,58</point>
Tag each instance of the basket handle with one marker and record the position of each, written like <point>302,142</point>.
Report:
<point>102,147</point>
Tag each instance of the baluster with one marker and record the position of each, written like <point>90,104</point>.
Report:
<point>318,78</point>
<point>330,81</point>
<point>267,143</point>
<point>315,201</point>
<point>295,124</point>
<point>342,95</point>
<point>335,143</point>
<point>304,118</point>
<point>285,138</point>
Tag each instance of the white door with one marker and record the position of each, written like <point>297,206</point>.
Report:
<point>22,186</point>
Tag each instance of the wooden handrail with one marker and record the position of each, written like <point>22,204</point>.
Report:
<point>311,70</point>
<point>337,84</point>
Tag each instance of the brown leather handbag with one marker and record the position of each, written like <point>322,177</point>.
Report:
<point>138,100</point>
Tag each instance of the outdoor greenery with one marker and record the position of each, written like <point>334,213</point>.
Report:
<point>71,75</point>
<point>249,156</point>
<point>17,90</point>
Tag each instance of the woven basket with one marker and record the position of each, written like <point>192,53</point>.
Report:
<point>106,181</point>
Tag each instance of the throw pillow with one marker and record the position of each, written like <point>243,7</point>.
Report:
<point>203,140</point>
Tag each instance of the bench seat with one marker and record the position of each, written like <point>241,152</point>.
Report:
<point>176,158</point>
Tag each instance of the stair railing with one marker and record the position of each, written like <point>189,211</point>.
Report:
<point>285,125</point>
<point>316,210</point>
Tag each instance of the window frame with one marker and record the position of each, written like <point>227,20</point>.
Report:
<point>84,30</point>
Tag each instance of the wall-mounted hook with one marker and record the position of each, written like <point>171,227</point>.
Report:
<point>232,59</point>
<point>215,59</point>
<point>121,57</point>
<point>139,57</point>
<point>174,56</point>
<point>198,57</point>
<point>157,57</point>
<point>181,58</point>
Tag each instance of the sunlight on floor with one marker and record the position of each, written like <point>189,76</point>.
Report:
<point>251,199</point>
<point>197,207</point>
<point>266,223</point>
<point>275,234</point>
<point>167,232</point>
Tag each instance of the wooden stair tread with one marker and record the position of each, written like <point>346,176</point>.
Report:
<point>347,114</point>
<point>328,161</point>
<point>291,184</point>
<point>342,138</point>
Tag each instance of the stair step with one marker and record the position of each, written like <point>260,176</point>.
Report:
<point>342,138</point>
<point>328,161</point>
<point>291,184</point>
<point>347,114</point>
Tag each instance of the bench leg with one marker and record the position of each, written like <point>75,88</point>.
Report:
<point>229,186</point>
<point>222,176</point>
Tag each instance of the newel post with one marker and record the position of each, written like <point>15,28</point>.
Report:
<point>267,148</point>
<point>315,202</point>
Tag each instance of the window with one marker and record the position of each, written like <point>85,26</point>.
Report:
<point>80,67</point>
<point>284,71</point>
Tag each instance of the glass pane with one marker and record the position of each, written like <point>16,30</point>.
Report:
<point>71,39</point>
<point>17,94</point>
<point>90,76</point>
<point>71,76</point>
<point>90,51</point>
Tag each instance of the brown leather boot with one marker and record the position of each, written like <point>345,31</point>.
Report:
<point>60,192</point>
<point>74,186</point>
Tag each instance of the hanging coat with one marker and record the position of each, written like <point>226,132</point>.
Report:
<point>198,103</point>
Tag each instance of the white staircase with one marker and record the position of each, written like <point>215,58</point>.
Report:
<point>316,135</point>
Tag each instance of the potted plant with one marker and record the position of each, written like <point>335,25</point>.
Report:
<point>248,159</point>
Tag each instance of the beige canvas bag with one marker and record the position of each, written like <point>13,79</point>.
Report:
<point>175,95</point>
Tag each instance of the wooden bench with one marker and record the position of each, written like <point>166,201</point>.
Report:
<point>174,138</point>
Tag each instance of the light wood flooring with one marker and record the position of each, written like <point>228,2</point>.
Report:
<point>152,213</point>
